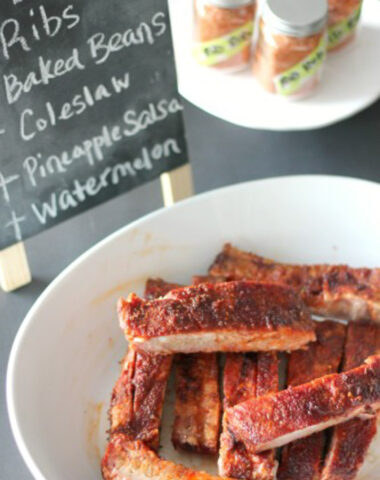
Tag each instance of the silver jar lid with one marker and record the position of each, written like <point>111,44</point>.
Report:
<point>230,3</point>
<point>296,18</point>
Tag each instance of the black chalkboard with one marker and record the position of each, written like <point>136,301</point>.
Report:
<point>88,106</point>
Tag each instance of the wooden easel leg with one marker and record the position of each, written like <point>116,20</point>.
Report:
<point>14,268</point>
<point>177,185</point>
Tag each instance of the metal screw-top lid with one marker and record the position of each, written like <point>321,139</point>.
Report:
<point>230,3</point>
<point>297,18</point>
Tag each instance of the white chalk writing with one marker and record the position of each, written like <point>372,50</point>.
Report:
<point>4,182</point>
<point>111,176</point>
<point>15,224</point>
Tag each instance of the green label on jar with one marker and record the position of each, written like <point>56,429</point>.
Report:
<point>339,32</point>
<point>220,49</point>
<point>294,79</point>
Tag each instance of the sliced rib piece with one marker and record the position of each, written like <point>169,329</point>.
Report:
<point>275,420</point>
<point>302,458</point>
<point>234,316</point>
<point>331,290</point>
<point>239,384</point>
<point>138,396</point>
<point>197,405</point>
<point>244,376</point>
<point>267,374</point>
<point>267,383</point>
<point>351,440</point>
<point>133,460</point>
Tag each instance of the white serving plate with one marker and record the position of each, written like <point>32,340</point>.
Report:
<point>64,360</point>
<point>350,83</point>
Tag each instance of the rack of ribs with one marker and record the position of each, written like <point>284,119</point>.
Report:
<point>332,290</point>
<point>232,316</point>
<point>197,405</point>
<point>275,420</point>
<point>246,375</point>
<point>138,395</point>
<point>302,458</point>
<point>126,459</point>
<point>351,440</point>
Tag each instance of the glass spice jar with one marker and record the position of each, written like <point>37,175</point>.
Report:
<point>344,16</point>
<point>291,47</point>
<point>223,33</point>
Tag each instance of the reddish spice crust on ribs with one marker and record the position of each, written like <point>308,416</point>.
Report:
<point>125,459</point>
<point>332,290</point>
<point>351,440</point>
<point>274,420</point>
<point>239,384</point>
<point>267,373</point>
<point>138,396</point>
<point>245,376</point>
<point>197,406</point>
<point>197,409</point>
<point>233,316</point>
<point>302,458</point>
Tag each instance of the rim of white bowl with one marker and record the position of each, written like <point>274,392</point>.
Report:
<point>16,428</point>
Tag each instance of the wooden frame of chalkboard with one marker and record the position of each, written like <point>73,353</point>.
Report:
<point>89,110</point>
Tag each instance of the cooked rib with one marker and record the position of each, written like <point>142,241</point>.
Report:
<point>267,374</point>
<point>244,376</point>
<point>332,290</point>
<point>267,383</point>
<point>197,405</point>
<point>239,384</point>
<point>351,440</point>
<point>133,460</point>
<point>275,420</point>
<point>302,458</point>
<point>138,396</point>
<point>234,316</point>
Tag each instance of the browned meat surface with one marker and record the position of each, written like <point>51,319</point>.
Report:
<point>351,440</point>
<point>233,316</point>
<point>302,458</point>
<point>348,448</point>
<point>242,380</point>
<point>133,460</point>
<point>138,396</point>
<point>332,290</point>
<point>239,384</point>
<point>197,408</point>
<point>275,420</point>
<point>197,404</point>
<point>267,374</point>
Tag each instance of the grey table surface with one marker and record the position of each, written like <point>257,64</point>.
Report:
<point>221,154</point>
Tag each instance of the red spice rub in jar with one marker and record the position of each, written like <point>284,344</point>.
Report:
<point>213,22</point>
<point>276,53</point>
<point>338,11</point>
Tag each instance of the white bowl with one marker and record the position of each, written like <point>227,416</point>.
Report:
<point>64,360</point>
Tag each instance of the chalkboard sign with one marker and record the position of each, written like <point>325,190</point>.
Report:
<point>88,107</point>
